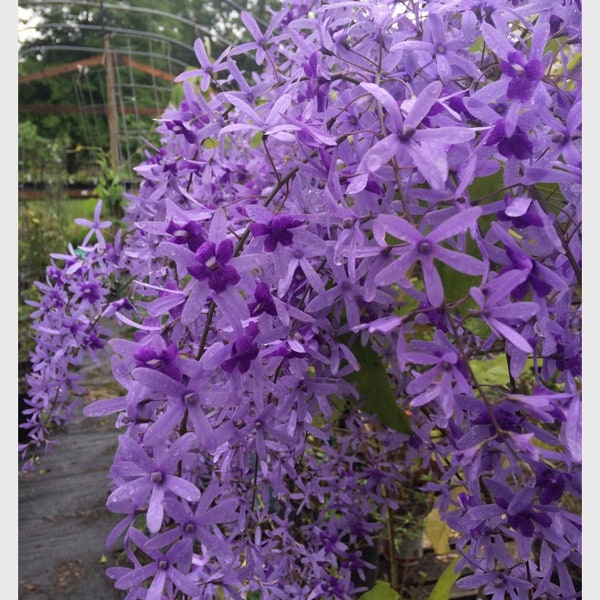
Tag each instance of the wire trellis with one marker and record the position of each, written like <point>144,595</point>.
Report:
<point>143,79</point>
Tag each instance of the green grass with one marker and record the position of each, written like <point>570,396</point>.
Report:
<point>45,227</point>
<point>67,209</point>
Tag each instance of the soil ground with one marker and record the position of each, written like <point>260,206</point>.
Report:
<point>63,520</point>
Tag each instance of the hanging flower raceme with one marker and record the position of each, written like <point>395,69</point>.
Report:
<point>357,267</point>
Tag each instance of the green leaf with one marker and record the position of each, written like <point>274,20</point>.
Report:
<point>176,95</point>
<point>574,62</point>
<point>381,591</point>
<point>478,327</point>
<point>437,532</point>
<point>491,372</point>
<point>443,587</point>
<point>210,143</point>
<point>256,139</point>
<point>376,394</point>
<point>488,189</point>
<point>457,285</point>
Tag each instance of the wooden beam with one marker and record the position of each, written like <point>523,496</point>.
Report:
<point>145,68</point>
<point>61,69</point>
<point>92,62</point>
<point>97,109</point>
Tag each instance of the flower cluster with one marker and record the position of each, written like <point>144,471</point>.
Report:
<point>69,323</point>
<point>380,217</point>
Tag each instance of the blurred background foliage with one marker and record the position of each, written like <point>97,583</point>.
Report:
<point>63,87</point>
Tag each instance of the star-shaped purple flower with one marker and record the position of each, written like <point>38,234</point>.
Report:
<point>212,265</point>
<point>524,75</point>
<point>426,248</point>
<point>277,231</point>
<point>426,148</point>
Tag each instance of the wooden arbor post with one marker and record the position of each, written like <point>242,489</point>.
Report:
<point>112,115</point>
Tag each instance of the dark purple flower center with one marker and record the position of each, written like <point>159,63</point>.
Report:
<point>163,564</point>
<point>559,138</point>
<point>191,399</point>
<point>157,477</point>
<point>424,247</point>
<point>190,233</point>
<point>189,527</point>
<point>263,301</point>
<point>90,291</point>
<point>406,133</point>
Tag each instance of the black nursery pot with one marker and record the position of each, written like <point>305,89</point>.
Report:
<point>23,433</point>
<point>370,554</point>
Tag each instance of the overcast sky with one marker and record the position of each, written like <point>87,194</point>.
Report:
<point>26,25</point>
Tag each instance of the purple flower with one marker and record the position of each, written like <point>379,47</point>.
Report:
<point>351,293</point>
<point>212,265</point>
<point>438,381</point>
<point>443,46</point>
<point>180,128</point>
<point>165,569</point>
<point>517,144</point>
<point>261,40</point>
<point>182,401</point>
<point>151,478</point>
<point>208,69</point>
<point>521,212</point>
<point>96,226</point>
<point>551,485</point>
<point>524,75</point>
<point>90,292</point>
<point>426,148</point>
<point>199,521</point>
<point>164,360</point>
<point>521,514</point>
<point>277,231</point>
<point>541,280</point>
<point>244,350</point>
<point>497,585</point>
<point>191,233</point>
<point>263,301</point>
<point>498,312</point>
<point>426,248</point>
<point>264,424</point>
<point>514,513</point>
